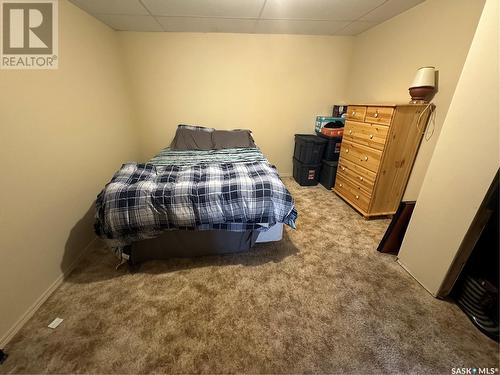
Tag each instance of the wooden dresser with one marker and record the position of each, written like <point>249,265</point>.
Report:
<point>376,157</point>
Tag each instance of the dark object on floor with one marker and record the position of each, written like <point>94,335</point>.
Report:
<point>475,252</point>
<point>309,148</point>
<point>328,173</point>
<point>332,149</point>
<point>478,299</point>
<point>3,356</point>
<point>476,290</point>
<point>306,174</point>
<point>187,243</point>
<point>393,237</point>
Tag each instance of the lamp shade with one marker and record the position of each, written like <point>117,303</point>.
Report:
<point>424,77</point>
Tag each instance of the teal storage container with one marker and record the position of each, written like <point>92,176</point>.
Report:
<point>323,120</point>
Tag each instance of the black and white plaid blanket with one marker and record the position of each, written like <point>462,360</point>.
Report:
<point>142,200</point>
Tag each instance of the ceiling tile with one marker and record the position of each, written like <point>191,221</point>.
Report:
<point>207,25</point>
<point>314,17</point>
<point>205,8</point>
<point>299,27</point>
<point>130,23</point>
<point>390,9</point>
<point>111,6</point>
<point>344,10</point>
<point>356,28</point>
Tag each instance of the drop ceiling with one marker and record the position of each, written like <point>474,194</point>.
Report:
<point>309,17</point>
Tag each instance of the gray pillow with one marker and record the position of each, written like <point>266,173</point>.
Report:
<point>232,139</point>
<point>192,138</point>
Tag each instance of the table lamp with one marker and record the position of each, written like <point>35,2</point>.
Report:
<point>423,85</point>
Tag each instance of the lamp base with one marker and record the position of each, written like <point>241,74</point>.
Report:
<point>421,93</point>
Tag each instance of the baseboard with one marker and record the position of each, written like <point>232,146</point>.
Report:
<point>4,340</point>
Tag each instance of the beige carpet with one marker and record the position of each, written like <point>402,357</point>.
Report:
<point>320,301</point>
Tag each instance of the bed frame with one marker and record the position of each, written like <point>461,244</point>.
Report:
<point>180,243</point>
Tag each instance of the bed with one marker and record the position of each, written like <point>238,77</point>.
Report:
<point>190,202</point>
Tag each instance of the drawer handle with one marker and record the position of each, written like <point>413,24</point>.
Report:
<point>357,196</point>
<point>371,136</point>
<point>353,113</point>
<point>350,131</point>
<point>361,178</point>
<point>365,158</point>
<point>347,150</point>
<point>376,114</point>
<point>343,168</point>
<point>341,185</point>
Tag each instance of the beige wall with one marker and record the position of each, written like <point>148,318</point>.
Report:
<point>463,165</point>
<point>272,84</point>
<point>386,57</point>
<point>62,135</point>
<point>276,84</point>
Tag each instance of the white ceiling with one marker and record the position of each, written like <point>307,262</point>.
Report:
<point>311,17</point>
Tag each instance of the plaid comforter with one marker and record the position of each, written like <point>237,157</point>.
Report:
<point>142,200</point>
<point>224,156</point>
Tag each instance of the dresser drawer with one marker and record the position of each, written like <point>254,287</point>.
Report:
<point>379,115</point>
<point>356,112</point>
<point>352,193</point>
<point>371,135</point>
<point>366,157</point>
<point>362,176</point>
<point>355,182</point>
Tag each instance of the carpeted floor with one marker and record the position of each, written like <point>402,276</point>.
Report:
<point>320,301</point>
